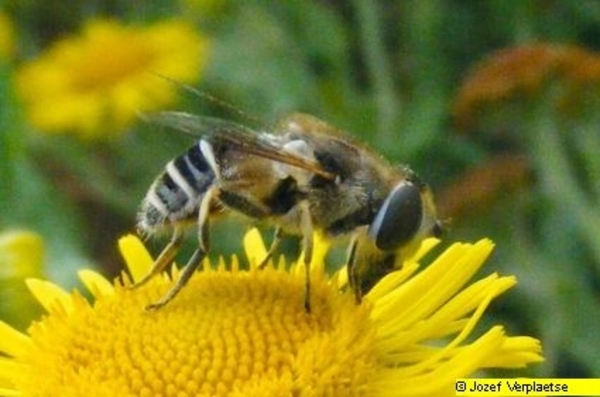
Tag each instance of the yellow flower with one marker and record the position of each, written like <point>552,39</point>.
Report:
<point>21,257</point>
<point>21,254</point>
<point>246,333</point>
<point>94,84</point>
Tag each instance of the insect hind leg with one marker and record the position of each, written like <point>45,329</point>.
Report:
<point>164,259</point>
<point>196,258</point>
<point>187,273</point>
<point>277,238</point>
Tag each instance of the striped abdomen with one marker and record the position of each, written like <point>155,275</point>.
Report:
<point>174,196</point>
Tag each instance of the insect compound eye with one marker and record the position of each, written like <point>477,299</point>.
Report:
<point>399,218</point>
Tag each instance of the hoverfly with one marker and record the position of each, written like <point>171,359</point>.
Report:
<point>305,175</point>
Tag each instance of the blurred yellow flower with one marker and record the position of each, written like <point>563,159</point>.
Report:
<point>21,254</point>
<point>246,333</point>
<point>94,84</point>
<point>21,257</point>
<point>7,37</point>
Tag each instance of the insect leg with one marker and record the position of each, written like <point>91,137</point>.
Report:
<point>353,278</point>
<point>197,256</point>
<point>164,259</point>
<point>307,245</point>
<point>277,237</point>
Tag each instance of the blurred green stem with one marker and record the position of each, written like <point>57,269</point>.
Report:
<point>424,31</point>
<point>11,139</point>
<point>387,103</point>
<point>587,140</point>
<point>558,177</point>
<point>88,170</point>
<point>523,20</point>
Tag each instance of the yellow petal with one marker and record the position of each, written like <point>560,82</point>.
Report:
<point>13,342</point>
<point>254,246</point>
<point>50,295</point>
<point>96,283</point>
<point>136,256</point>
<point>10,392</point>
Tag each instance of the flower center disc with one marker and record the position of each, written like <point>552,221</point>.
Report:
<point>228,333</point>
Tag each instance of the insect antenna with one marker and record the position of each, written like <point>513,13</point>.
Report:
<point>214,99</point>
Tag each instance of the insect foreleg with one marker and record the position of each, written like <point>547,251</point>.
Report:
<point>353,278</point>
<point>198,255</point>
<point>367,265</point>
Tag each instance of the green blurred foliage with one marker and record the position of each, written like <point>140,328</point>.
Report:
<point>387,72</point>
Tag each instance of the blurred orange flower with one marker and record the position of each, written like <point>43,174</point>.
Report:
<point>480,186</point>
<point>523,70</point>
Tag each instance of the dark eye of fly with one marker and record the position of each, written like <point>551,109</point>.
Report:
<point>399,218</point>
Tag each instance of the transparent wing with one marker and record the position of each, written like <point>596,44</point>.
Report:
<point>236,136</point>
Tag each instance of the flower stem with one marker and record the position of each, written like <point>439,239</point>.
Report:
<point>387,102</point>
<point>559,179</point>
<point>588,144</point>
